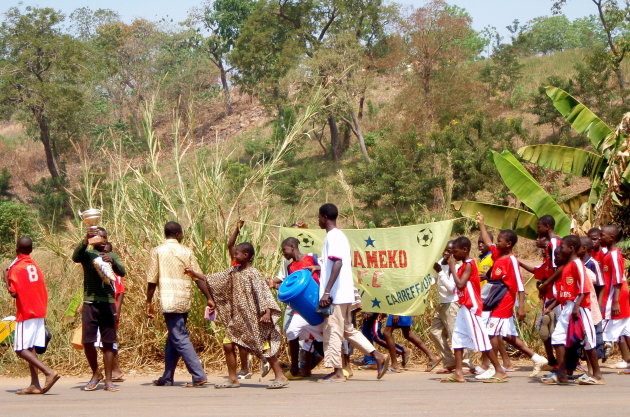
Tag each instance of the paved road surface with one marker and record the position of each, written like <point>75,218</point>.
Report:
<point>412,393</point>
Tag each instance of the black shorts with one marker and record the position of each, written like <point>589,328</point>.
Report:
<point>99,316</point>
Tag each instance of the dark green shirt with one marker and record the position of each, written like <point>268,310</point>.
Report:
<point>93,287</point>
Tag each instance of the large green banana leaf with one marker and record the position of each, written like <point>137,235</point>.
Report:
<point>581,118</point>
<point>524,223</point>
<point>528,190</point>
<point>564,158</point>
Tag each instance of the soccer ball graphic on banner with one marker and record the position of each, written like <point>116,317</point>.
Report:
<point>306,240</point>
<point>425,237</point>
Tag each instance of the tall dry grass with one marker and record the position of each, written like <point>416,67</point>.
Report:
<point>138,198</point>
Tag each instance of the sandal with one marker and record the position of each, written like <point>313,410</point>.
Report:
<point>120,378</point>
<point>111,388</point>
<point>432,364</point>
<point>50,383</point>
<point>28,391</point>
<point>494,380</point>
<point>382,370</point>
<point>452,379</point>
<point>405,358</point>
<point>275,384</point>
<point>91,386</point>
<point>589,380</point>
<point>227,384</point>
<point>197,384</point>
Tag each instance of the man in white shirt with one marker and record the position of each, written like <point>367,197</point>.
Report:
<point>444,320</point>
<point>337,288</point>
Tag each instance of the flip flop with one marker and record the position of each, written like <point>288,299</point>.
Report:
<point>227,385</point>
<point>91,386</point>
<point>494,380</point>
<point>292,377</point>
<point>382,370</point>
<point>275,384</point>
<point>28,391</point>
<point>197,384</point>
<point>444,371</point>
<point>111,388</point>
<point>431,365</point>
<point>589,380</point>
<point>405,358</point>
<point>395,370</point>
<point>330,380</point>
<point>452,379</point>
<point>120,378</point>
<point>50,383</point>
<point>553,380</point>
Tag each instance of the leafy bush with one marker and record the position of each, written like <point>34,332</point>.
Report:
<point>51,200</point>
<point>16,219</point>
<point>5,185</point>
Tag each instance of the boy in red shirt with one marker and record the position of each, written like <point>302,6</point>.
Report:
<point>572,295</point>
<point>300,329</point>
<point>505,269</point>
<point>25,283</point>
<point>615,297</point>
<point>469,332</point>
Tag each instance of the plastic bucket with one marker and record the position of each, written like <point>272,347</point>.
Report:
<point>301,292</point>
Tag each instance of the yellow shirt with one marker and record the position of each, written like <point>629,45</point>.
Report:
<point>166,269</point>
<point>484,264</point>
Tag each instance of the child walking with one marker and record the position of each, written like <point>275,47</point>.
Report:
<point>469,331</point>
<point>25,283</point>
<point>248,311</point>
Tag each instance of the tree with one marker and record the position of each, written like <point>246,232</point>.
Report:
<point>615,20</point>
<point>85,21</point>
<point>41,73</point>
<point>439,37</point>
<point>223,20</point>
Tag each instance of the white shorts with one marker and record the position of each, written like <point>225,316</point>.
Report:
<point>98,342</point>
<point>470,332</point>
<point>501,327</point>
<point>559,336</point>
<point>28,334</point>
<point>302,330</point>
<point>615,328</point>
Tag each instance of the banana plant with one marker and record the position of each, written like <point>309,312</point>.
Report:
<point>528,191</point>
<point>606,166</point>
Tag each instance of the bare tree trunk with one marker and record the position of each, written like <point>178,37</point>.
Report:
<point>361,103</point>
<point>226,89</point>
<point>44,137</point>
<point>334,137</point>
<point>356,128</point>
<point>613,48</point>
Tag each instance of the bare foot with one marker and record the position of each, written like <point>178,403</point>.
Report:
<point>31,389</point>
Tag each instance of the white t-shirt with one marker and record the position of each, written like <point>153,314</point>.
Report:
<point>336,246</point>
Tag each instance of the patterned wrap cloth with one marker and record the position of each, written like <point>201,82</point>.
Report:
<point>241,298</point>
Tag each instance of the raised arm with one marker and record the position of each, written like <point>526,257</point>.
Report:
<point>482,229</point>
<point>234,236</point>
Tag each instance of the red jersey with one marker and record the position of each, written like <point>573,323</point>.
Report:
<point>27,281</point>
<point>598,255</point>
<point>306,261</point>
<point>614,274</point>
<point>470,295</point>
<point>572,283</point>
<point>119,287</point>
<point>506,269</point>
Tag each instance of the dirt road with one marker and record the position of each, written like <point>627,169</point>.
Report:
<point>409,393</point>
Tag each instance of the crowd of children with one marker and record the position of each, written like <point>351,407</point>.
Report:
<point>581,283</point>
